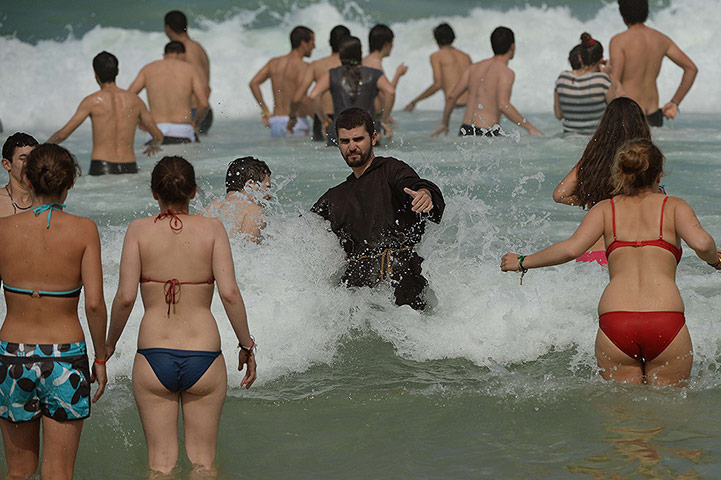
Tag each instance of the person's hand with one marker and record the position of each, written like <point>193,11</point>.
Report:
<point>152,149</point>
<point>422,202</point>
<point>534,131</point>
<point>442,129</point>
<point>604,66</point>
<point>98,374</point>
<point>291,124</point>
<point>670,110</point>
<point>266,119</point>
<point>244,358</point>
<point>387,130</point>
<point>401,70</point>
<point>509,263</point>
<point>109,351</point>
<point>410,107</point>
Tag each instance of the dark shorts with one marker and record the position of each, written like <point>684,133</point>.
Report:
<point>473,131</point>
<point>655,119</point>
<point>49,380</point>
<point>101,167</point>
<point>206,123</point>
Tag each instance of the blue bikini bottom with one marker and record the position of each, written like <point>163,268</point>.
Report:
<point>178,370</point>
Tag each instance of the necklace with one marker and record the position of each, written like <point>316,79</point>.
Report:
<point>16,207</point>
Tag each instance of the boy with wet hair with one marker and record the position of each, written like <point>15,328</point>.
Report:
<point>15,197</point>
<point>247,183</point>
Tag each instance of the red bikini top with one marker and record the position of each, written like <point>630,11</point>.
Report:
<point>659,242</point>
<point>172,286</point>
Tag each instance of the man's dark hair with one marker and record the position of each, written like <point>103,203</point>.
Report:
<point>501,40</point>
<point>444,34</point>
<point>176,21</point>
<point>379,36</point>
<point>299,35</point>
<point>105,65</point>
<point>633,11</point>
<point>15,141</point>
<point>354,117</point>
<point>175,47</point>
<point>338,33</point>
<point>243,169</point>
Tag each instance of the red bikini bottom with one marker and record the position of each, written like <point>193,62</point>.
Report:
<point>642,335</point>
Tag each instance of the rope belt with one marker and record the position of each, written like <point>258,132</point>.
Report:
<point>385,257</point>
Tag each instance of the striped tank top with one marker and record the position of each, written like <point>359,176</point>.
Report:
<point>583,100</point>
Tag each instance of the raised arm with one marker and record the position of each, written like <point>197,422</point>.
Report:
<point>588,233</point>
<point>435,86</point>
<point>260,77</point>
<point>224,273</point>
<point>451,99</point>
<point>690,70</point>
<point>139,83</point>
<point>79,117</point>
<point>690,230</point>
<point>97,315</point>
<point>564,191</point>
<point>130,269</point>
<point>505,85</point>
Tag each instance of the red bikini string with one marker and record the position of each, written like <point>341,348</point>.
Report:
<point>176,224</point>
<point>171,288</point>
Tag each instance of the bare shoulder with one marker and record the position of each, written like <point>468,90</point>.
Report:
<point>83,227</point>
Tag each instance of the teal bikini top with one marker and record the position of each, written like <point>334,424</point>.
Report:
<point>47,293</point>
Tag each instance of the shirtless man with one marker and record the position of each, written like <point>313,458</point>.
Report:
<point>286,74</point>
<point>15,197</point>
<point>171,84</point>
<point>114,113</point>
<point>317,69</point>
<point>636,57</point>
<point>247,183</point>
<point>448,65</point>
<point>380,44</point>
<point>176,28</point>
<point>489,84</point>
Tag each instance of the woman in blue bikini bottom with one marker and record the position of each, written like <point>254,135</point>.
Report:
<point>179,363</point>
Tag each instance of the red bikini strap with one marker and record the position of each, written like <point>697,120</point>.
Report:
<point>171,289</point>
<point>176,224</point>
<point>613,218</point>
<point>663,205</point>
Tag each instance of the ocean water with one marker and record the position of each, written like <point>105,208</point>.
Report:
<point>499,380</point>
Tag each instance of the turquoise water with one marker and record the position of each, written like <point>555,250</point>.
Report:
<point>498,381</point>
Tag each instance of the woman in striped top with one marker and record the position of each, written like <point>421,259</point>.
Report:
<point>581,95</point>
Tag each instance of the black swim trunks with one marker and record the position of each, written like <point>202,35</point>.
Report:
<point>473,131</point>
<point>655,119</point>
<point>101,167</point>
<point>206,123</point>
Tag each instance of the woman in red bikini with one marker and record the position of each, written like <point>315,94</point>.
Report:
<point>177,258</point>
<point>589,181</point>
<point>642,336</point>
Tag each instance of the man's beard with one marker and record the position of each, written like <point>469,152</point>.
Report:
<point>364,157</point>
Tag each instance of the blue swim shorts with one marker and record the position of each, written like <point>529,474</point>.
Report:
<point>50,380</point>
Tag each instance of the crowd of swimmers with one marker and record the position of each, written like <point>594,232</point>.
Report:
<point>379,212</point>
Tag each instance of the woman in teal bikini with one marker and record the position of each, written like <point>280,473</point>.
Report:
<point>47,257</point>
<point>177,258</point>
<point>642,336</point>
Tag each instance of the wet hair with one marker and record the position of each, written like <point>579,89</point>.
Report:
<point>443,34</point>
<point>636,166</point>
<point>176,21</point>
<point>174,47</point>
<point>591,50</point>
<point>574,57</point>
<point>243,169</point>
<point>50,169</point>
<point>351,55</point>
<point>299,35</point>
<point>105,65</point>
<point>353,117</point>
<point>379,36</point>
<point>501,40</point>
<point>633,11</point>
<point>173,180</point>
<point>622,121</point>
<point>337,35</point>
<point>15,141</point>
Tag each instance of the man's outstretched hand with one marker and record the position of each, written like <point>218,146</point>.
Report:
<point>422,202</point>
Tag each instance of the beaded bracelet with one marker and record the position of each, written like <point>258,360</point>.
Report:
<point>520,265</point>
<point>716,265</point>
